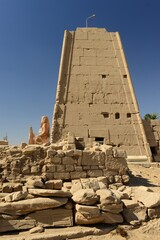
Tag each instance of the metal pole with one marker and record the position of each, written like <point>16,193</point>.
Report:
<point>88,18</point>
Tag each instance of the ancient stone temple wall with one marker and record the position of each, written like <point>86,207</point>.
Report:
<point>152,130</point>
<point>95,98</point>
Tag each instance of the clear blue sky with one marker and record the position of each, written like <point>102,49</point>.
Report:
<point>31,34</point>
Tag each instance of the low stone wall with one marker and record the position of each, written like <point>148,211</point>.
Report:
<point>51,162</point>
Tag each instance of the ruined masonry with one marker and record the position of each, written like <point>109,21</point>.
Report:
<point>95,98</point>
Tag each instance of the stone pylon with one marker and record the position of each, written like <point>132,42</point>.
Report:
<point>95,98</point>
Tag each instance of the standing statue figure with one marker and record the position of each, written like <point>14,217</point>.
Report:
<point>44,133</point>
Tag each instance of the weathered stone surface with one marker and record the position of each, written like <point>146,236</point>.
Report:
<point>12,225</point>
<point>118,165</point>
<point>134,212</point>
<point>120,195</point>
<point>154,212</point>
<point>31,149</point>
<point>34,182</point>
<point>112,208</point>
<point>77,175</point>
<point>62,175</point>
<point>149,199</point>
<point>107,197</point>
<point>11,187</point>
<point>82,220</point>
<point>85,196</point>
<point>54,184</point>
<point>125,178</point>
<point>49,193</point>
<point>76,186</point>
<point>94,184</point>
<point>88,211</point>
<point>119,153</point>
<point>93,158</point>
<point>16,196</point>
<point>130,203</point>
<point>111,218</point>
<point>37,229</point>
<point>59,217</point>
<point>8,217</point>
<point>30,205</point>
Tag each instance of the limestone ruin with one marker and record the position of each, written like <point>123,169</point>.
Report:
<point>95,98</point>
<point>81,177</point>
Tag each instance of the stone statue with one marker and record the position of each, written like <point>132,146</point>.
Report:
<point>44,133</point>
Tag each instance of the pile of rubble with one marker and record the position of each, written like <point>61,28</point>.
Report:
<point>36,204</point>
<point>49,186</point>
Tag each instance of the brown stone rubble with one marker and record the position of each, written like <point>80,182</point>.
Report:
<point>46,186</point>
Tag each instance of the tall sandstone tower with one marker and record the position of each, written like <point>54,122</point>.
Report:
<point>95,98</point>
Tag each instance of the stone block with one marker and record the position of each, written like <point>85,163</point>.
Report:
<point>29,205</point>
<point>68,161</point>
<point>54,184</point>
<point>32,182</point>
<point>112,218</point>
<point>94,184</point>
<point>70,168</point>
<point>48,176</point>
<point>149,199</point>
<point>82,36</point>
<point>26,170</point>
<point>85,196</point>
<point>82,220</point>
<point>86,167</point>
<point>60,168</point>
<point>38,229</point>
<point>51,153</point>
<point>76,175</point>
<point>95,173</point>
<point>117,164</point>
<point>76,186</point>
<point>137,214</point>
<point>119,153</point>
<point>50,168</point>
<point>59,217</point>
<point>61,175</point>
<point>109,173</point>
<point>49,193</point>
<point>35,169</point>
<point>93,158</point>
<point>94,167</point>
<point>78,168</point>
<point>67,185</point>
<point>89,52</point>
<point>154,212</point>
<point>12,225</point>
<point>56,160</point>
<point>15,196</point>
<point>60,153</point>
<point>112,208</point>
<point>70,153</point>
<point>88,61</point>
<point>78,52</point>
<point>85,183</point>
<point>88,211</point>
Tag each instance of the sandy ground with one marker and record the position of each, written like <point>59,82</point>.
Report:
<point>141,176</point>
